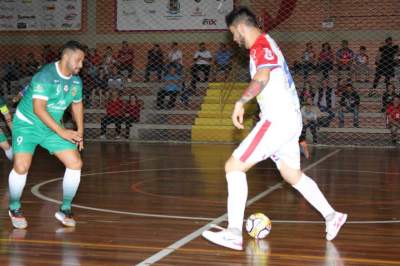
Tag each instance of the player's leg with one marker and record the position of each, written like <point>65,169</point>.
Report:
<point>24,141</point>
<point>67,153</point>
<point>72,176</point>
<point>289,167</point>
<point>250,151</point>
<point>5,146</point>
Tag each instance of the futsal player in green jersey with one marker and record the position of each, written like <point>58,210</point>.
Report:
<point>37,121</point>
<point>3,139</point>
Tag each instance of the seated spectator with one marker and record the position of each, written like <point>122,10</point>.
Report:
<point>108,60</point>
<point>308,61</point>
<point>202,63</point>
<point>175,58</point>
<point>361,67</point>
<point>311,114</point>
<point>186,91</point>
<point>115,112</point>
<point>99,92</point>
<point>114,79</point>
<point>132,112</point>
<point>388,96</point>
<point>349,102</point>
<point>171,88</point>
<point>155,62</point>
<point>223,61</point>
<point>325,60</point>
<point>125,59</point>
<point>94,57</point>
<point>325,99</point>
<point>307,92</point>
<point>344,60</point>
<point>3,140</point>
<point>31,65</point>
<point>393,116</point>
<point>12,72</point>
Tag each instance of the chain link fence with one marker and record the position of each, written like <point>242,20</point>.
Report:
<point>169,71</point>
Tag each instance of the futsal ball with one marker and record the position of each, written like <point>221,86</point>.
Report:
<point>258,225</point>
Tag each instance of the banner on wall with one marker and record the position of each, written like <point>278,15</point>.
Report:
<point>31,15</point>
<point>164,15</point>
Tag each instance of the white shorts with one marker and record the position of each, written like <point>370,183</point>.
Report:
<point>275,140</point>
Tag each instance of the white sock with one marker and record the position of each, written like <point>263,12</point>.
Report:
<point>71,182</point>
<point>9,153</point>
<point>16,184</point>
<point>310,191</point>
<point>237,197</point>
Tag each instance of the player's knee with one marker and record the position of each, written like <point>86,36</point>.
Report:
<point>233,164</point>
<point>21,167</point>
<point>75,164</point>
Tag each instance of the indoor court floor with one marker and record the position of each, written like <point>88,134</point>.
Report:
<point>143,204</point>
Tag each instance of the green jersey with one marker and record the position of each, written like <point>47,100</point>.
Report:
<point>50,85</point>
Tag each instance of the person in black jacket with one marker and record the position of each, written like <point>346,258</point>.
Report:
<point>388,96</point>
<point>349,102</point>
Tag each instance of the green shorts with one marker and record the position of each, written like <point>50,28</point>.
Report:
<point>26,137</point>
<point>2,137</point>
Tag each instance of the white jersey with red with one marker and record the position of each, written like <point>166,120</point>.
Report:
<point>278,99</point>
<point>277,133</point>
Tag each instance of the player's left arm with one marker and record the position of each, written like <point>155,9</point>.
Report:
<point>7,115</point>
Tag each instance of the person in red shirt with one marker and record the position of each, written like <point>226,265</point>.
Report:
<point>115,114</point>
<point>125,58</point>
<point>132,112</point>
<point>393,117</point>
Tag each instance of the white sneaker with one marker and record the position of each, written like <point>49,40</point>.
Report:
<point>66,218</point>
<point>102,136</point>
<point>334,223</point>
<point>229,238</point>
<point>17,219</point>
<point>118,137</point>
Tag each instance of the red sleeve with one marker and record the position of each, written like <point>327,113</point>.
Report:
<point>263,55</point>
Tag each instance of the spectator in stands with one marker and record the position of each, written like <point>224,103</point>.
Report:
<point>175,58</point>
<point>125,59</point>
<point>114,79</point>
<point>31,65</point>
<point>223,60</point>
<point>155,62</point>
<point>202,63</point>
<point>385,63</point>
<point>115,113</point>
<point>388,96</point>
<point>171,88</point>
<point>94,57</point>
<point>307,92</point>
<point>48,55</point>
<point>132,112</point>
<point>324,102</point>
<point>344,60</point>
<point>186,91</point>
<point>12,72</point>
<point>308,61</point>
<point>393,116</point>
<point>311,113</point>
<point>349,102</point>
<point>325,60</point>
<point>101,85</point>
<point>108,60</point>
<point>361,68</point>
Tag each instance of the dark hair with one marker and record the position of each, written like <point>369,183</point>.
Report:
<point>72,45</point>
<point>241,14</point>
<point>362,47</point>
<point>388,39</point>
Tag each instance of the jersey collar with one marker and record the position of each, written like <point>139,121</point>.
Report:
<point>262,35</point>
<point>59,72</point>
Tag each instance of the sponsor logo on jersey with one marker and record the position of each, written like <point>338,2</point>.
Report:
<point>268,54</point>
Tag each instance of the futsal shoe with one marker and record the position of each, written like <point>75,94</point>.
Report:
<point>229,238</point>
<point>17,219</point>
<point>334,223</point>
<point>65,217</point>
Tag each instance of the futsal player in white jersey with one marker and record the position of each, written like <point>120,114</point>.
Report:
<point>275,136</point>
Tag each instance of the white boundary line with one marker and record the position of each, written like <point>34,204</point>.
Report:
<point>168,250</point>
